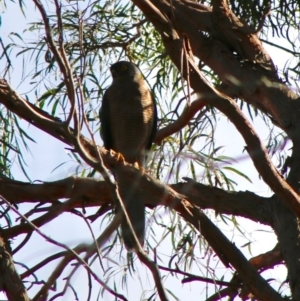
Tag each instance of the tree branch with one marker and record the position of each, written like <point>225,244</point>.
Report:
<point>59,54</point>
<point>41,294</point>
<point>226,105</point>
<point>198,278</point>
<point>152,266</point>
<point>226,251</point>
<point>187,114</point>
<point>10,281</point>
<point>224,248</point>
<point>54,212</point>
<point>258,153</point>
<point>88,192</point>
<point>241,203</point>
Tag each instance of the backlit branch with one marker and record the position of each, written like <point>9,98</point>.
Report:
<point>43,292</point>
<point>188,113</point>
<point>59,54</point>
<point>88,192</point>
<point>258,153</point>
<point>222,247</point>
<point>10,281</point>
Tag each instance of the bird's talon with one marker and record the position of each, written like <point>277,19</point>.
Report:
<point>120,158</point>
<point>139,167</point>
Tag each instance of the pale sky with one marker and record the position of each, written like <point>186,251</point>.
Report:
<point>45,170</point>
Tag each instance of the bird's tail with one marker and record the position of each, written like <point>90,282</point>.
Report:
<point>133,200</point>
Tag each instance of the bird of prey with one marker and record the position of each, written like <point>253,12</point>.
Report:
<point>128,125</point>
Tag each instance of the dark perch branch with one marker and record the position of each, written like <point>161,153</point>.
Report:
<point>168,196</point>
<point>259,155</point>
<point>10,281</point>
<point>41,294</point>
<point>187,114</point>
<point>152,266</point>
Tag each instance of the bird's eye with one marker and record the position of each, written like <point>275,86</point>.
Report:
<point>123,67</point>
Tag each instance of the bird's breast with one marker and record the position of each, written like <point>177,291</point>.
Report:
<point>131,117</point>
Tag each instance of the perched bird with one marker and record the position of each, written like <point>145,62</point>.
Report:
<point>128,125</point>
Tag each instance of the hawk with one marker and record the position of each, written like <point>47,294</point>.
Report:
<point>128,125</point>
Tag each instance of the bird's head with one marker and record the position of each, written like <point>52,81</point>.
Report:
<point>125,70</point>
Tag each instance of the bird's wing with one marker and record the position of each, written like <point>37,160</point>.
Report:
<point>105,124</point>
<point>154,125</point>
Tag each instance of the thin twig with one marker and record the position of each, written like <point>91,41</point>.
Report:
<point>152,266</point>
<point>223,293</point>
<point>54,212</point>
<point>56,243</point>
<point>94,247</point>
<point>7,58</point>
<point>60,57</point>
<point>191,277</point>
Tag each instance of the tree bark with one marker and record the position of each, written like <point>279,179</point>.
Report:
<point>10,281</point>
<point>251,76</point>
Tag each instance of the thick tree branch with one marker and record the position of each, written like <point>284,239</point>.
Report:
<point>267,260</point>
<point>238,35</point>
<point>262,262</point>
<point>258,153</point>
<point>226,250</point>
<point>223,293</point>
<point>10,281</point>
<point>88,192</point>
<point>242,203</point>
<point>168,197</point>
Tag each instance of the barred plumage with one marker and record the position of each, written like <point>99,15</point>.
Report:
<point>128,125</point>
